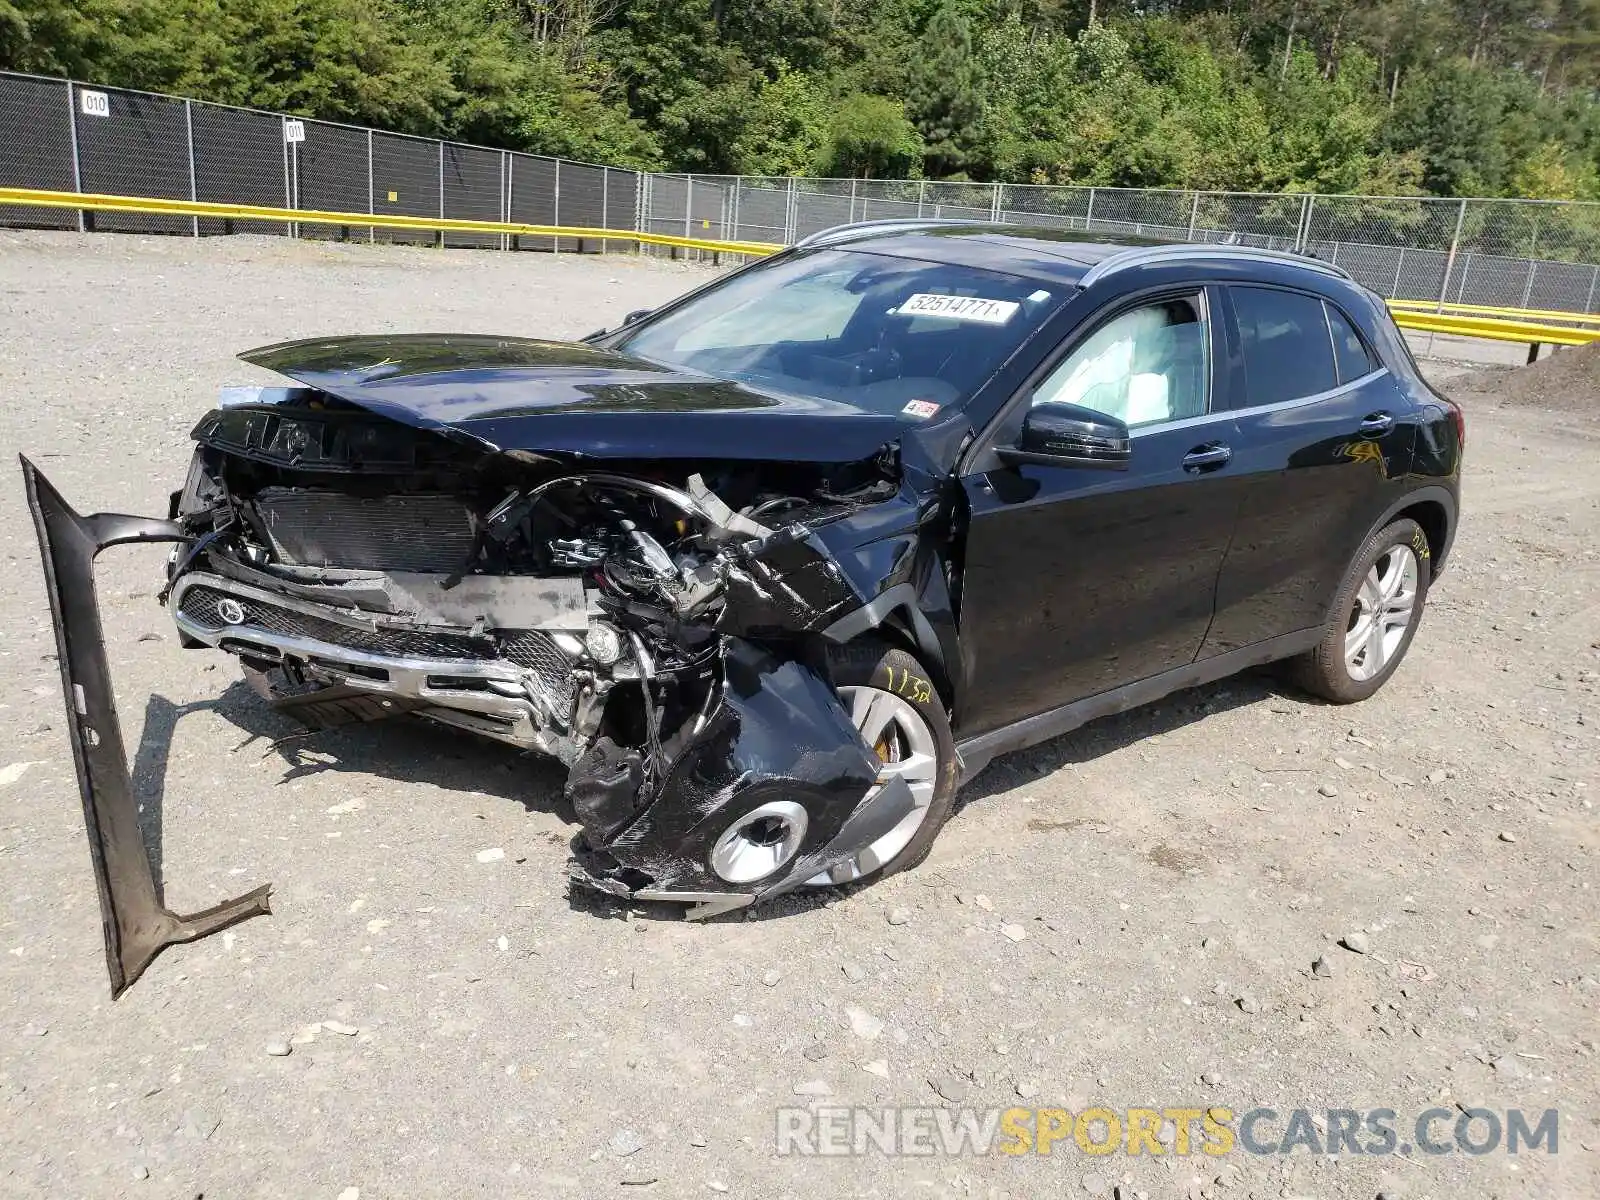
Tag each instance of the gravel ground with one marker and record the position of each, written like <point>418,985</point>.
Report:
<point>1126,916</point>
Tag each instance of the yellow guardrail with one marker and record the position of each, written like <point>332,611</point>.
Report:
<point>1481,321</point>
<point>35,198</point>
<point>1490,310</point>
<point>1496,329</point>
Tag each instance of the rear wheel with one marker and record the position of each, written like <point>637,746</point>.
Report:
<point>1375,615</point>
<point>892,702</point>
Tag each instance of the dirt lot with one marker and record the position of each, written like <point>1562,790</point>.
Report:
<point>1174,872</point>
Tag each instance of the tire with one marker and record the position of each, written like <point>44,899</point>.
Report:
<point>1357,655</point>
<point>868,667</point>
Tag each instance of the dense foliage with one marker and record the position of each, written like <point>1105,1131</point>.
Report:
<point>1453,97</point>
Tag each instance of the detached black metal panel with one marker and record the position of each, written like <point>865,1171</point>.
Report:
<point>137,925</point>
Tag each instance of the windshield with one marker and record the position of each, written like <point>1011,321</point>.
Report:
<point>887,335</point>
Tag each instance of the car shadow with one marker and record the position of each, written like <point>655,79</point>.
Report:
<point>153,756</point>
<point>1110,734</point>
<point>406,750</point>
<point>1085,744</point>
<point>410,751</point>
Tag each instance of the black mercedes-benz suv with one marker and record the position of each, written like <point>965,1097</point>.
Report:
<point>773,568</point>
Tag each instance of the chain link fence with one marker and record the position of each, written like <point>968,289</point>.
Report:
<point>66,136</point>
<point>1506,253</point>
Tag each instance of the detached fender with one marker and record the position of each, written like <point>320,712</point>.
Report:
<point>136,924</point>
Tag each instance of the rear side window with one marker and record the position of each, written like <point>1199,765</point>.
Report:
<point>1287,351</point>
<point>1353,356</point>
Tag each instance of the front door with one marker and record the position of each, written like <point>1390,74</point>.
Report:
<point>1077,579</point>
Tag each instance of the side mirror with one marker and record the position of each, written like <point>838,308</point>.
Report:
<point>637,314</point>
<point>1066,435</point>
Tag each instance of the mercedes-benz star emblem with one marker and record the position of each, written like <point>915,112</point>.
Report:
<point>231,611</point>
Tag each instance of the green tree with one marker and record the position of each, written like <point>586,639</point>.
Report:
<point>95,39</point>
<point>1449,97</point>
<point>1324,131</point>
<point>870,137</point>
<point>688,88</point>
<point>786,127</point>
<point>942,90</point>
<point>1027,81</point>
<point>1554,172</point>
<point>775,35</point>
<point>1450,116</point>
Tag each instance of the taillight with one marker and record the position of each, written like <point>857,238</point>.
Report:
<point>1459,420</point>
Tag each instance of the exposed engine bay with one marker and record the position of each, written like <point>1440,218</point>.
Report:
<point>661,627</point>
<point>540,605</point>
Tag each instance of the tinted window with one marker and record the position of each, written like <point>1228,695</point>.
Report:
<point>1142,367</point>
<point>1354,359</point>
<point>890,335</point>
<point>1287,351</point>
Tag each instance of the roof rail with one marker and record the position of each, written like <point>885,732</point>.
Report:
<point>1139,256</point>
<point>836,233</point>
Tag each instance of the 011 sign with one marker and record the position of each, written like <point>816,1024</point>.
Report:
<point>94,104</point>
<point>294,131</point>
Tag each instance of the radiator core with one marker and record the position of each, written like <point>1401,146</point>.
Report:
<point>430,534</point>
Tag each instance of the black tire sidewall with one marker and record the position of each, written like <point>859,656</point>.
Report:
<point>1326,672</point>
<point>869,663</point>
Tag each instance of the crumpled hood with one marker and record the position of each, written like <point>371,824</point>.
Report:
<point>509,393</point>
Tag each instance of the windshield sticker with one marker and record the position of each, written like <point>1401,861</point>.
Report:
<point>959,308</point>
<point>920,408</point>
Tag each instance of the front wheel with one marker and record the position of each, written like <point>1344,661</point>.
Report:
<point>1375,615</point>
<point>892,702</point>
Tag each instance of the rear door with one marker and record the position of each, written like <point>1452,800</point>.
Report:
<point>1078,580</point>
<point>1325,436</point>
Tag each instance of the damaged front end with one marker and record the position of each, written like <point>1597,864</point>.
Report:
<point>661,628</point>
<point>762,793</point>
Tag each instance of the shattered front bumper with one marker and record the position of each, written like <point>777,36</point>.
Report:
<point>136,924</point>
<point>778,734</point>
<point>772,732</point>
<point>881,810</point>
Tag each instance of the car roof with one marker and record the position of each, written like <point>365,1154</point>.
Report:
<point>1061,256</point>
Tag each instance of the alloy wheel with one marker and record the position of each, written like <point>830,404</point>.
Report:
<point>905,745</point>
<point>1385,606</point>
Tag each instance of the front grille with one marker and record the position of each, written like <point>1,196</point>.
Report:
<point>200,605</point>
<point>529,649</point>
<point>551,668</point>
<point>428,534</point>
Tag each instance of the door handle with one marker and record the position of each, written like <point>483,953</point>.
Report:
<point>1206,458</point>
<point>1375,425</point>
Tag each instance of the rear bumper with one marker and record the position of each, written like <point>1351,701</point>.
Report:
<point>136,924</point>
